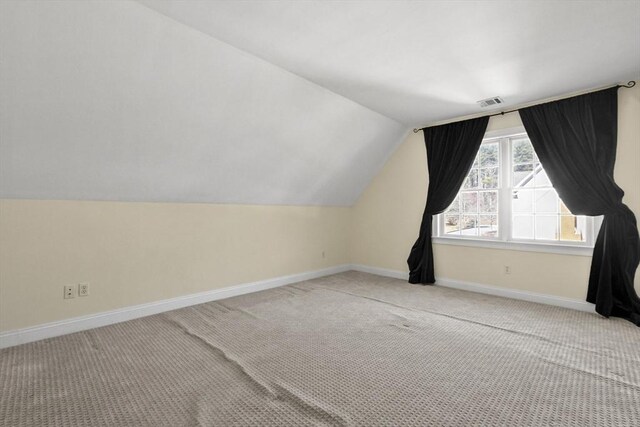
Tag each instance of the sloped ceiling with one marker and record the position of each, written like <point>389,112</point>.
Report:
<point>271,102</point>
<point>114,101</point>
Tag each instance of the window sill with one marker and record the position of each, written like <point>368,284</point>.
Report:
<point>516,246</point>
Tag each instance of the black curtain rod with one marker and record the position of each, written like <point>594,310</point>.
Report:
<point>630,84</point>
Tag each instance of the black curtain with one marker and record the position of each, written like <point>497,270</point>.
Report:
<point>451,149</point>
<point>576,140</point>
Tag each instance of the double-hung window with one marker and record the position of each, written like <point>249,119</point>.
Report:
<point>507,201</point>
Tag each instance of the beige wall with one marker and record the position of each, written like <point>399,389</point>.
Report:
<point>133,253</point>
<point>387,217</point>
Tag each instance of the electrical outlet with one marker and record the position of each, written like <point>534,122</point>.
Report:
<point>69,292</point>
<point>83,290</point>
<point>507,269</point>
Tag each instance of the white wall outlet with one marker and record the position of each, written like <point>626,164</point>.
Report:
<point>507,269</point>
<point>69,292</point>
<point>83,289</point>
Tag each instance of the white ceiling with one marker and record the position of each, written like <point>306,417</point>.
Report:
<point>423,61</point>
<point>267,102</point>
<point>113,101</point>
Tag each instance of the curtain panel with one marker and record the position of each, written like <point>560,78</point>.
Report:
<point>451,149</point>
<point>576,141</point>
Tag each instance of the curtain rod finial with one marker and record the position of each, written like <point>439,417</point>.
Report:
<point>416,130</point>
<point>630,84</point>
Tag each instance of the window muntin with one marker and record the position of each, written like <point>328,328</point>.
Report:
<point>507,196</point>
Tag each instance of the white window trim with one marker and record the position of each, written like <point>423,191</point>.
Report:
<point>505,241</point>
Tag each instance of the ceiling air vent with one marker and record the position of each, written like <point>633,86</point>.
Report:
<point>494,100</point>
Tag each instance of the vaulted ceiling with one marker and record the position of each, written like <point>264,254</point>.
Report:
<point>278,102</point>
<point>423,61</point>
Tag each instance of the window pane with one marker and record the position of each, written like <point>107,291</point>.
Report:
<point>522,151</point>
<point>522,227</point>
<point>564,209</point>
<point>488,155</point>
<point>489,178</point>
<point>523,175</point>
<point>469,225</point>
<point>455,206</point>
<point>546,227</point>
<point>471,181</point>
<point>546,201</point>
<point>573,228</point>
<point>522,201</point>
<point>488,225</point>
<point>488,202</point>
<point>469,202</point>
<point>451,224</point>
<point>542,180</point>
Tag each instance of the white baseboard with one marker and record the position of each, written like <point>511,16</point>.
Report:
<point>77,324</point>
<point>487,289</point>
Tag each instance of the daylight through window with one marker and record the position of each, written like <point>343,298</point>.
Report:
<point>507,196</point>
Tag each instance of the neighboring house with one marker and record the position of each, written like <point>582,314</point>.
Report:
<point>535,197</point>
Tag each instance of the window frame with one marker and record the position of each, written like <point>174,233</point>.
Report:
<point>505,240</point>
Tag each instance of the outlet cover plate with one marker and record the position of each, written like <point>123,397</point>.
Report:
<point>83,289</point>
<point>69,292</point>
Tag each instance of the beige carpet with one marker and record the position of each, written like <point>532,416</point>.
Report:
<point>349,349</point>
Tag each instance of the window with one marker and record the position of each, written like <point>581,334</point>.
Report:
<point>507,199</point>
